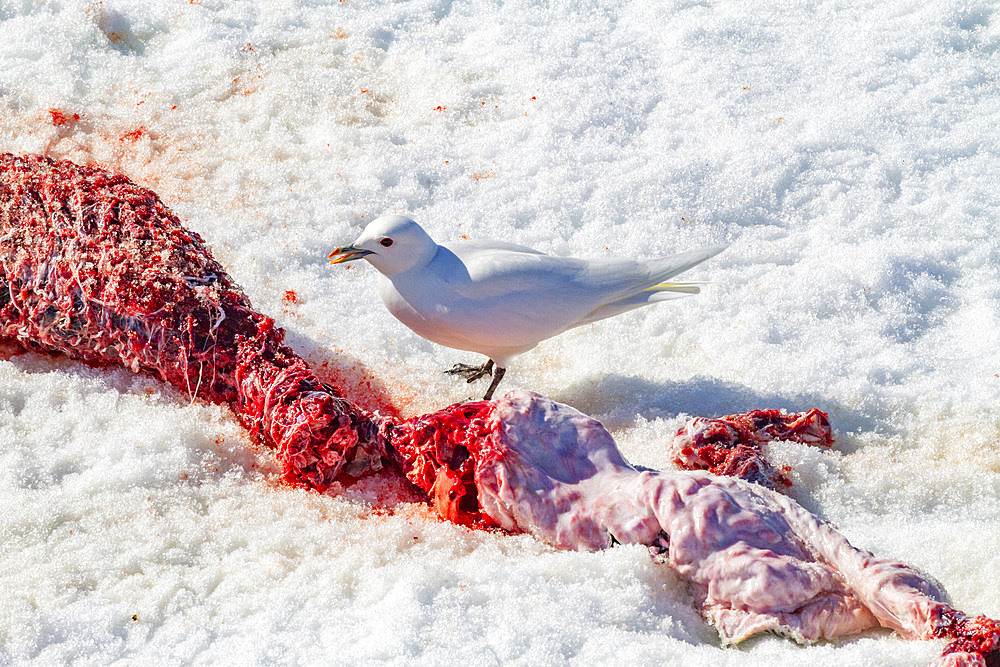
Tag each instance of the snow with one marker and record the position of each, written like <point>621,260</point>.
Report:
<point>847,152</point>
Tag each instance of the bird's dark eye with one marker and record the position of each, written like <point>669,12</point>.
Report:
<point>386,242</point>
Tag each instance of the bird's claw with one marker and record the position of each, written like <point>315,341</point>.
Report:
<point>471,373</point>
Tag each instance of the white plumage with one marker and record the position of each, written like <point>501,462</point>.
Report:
<point>501,299</point>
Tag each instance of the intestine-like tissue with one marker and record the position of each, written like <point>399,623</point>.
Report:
<point>96,267</point>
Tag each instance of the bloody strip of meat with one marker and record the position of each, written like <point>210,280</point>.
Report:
<point>97,268</point>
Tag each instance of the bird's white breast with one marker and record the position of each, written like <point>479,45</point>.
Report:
<point>420,311</point>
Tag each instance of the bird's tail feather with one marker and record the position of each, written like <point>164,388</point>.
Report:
<point>654,294</point>
<point>680,288</point>
<point>667,267</point>
<point>660,271</point>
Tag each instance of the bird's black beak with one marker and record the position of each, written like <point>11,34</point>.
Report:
<point>347,253</point>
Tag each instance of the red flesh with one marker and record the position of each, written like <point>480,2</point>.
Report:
<point>96,267</point>
<point>977,635</point>
<point>439,453</point>
<point>733,445</point>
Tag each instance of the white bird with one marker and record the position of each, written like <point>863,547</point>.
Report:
<point>501,299</point>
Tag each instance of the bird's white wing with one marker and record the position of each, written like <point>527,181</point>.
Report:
<point>505,295</point>
<point>495,268</point>
<point>466,247</point>
<point>628,287</point>
<point>502,293</point>
<point>619,278</point>
<point>666,268</point>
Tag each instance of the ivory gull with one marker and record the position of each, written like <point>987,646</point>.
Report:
<point>501,299</point>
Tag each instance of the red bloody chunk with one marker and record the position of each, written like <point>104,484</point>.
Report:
<point>733,445</point>
<point>96,267</point>
<point>439,452</point>
<point>976,635</point>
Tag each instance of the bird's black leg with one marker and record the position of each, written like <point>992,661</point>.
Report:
<point>496,380</point>
<point>471,373</point>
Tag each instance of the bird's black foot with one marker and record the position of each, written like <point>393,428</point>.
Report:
<point>493,385</point>
<point>471,373</point>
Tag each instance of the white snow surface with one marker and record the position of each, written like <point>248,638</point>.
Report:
<point>848,152</point>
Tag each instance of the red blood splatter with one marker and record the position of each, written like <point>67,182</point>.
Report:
<point>60,118</point>
<point>440,108</point>
<point>135,135</point>
<point>290,297</point>
<point>733,445</point>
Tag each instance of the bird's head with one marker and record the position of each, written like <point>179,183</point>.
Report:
<point>390,243</point>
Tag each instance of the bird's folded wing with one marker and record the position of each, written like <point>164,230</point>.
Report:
<point>500,269</point>
<point>666,268</point>
<point>654,294</point>
<point>505,293</point>
<point>619,279</point>
<point>478,245</point>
